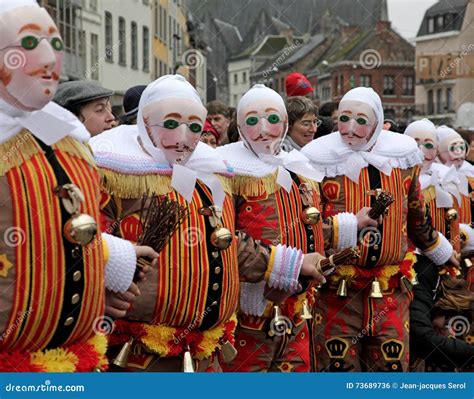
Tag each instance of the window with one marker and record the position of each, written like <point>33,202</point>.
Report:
<point>431,28</point>
<point>341,85</point>
<point>439,23</point>
<point>146,49</point>
<point>164,37</point>
<point>408,86</point>
<point>244,77</point>
<point>236,78</point>
<point>109,38</point>
<point>170,27</point>
<point>449,99</point>
<point>157,20</point>
<point>122,44</point>
<point>388,85</point>
<point>326,94</point>
<point>155,67</point>
<point>448,22</point>
<point>134,44</point>
<point>430,102</point>
<point>365,80</point>
<point>439,102</point>
<point>93,5</point>
<point>94,67</point>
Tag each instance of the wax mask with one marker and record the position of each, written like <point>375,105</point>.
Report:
<point>452,152</point>
<point>428,144</point>
<point>174,125</point>
<point>263,126</point>
<point>356,122</point>
<point>30,57</point>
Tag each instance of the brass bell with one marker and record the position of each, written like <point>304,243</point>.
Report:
<point>228,351</point>
<point>80,229</point>
<point>375,291</point>
<point>451,214</point>
<point>342,289</point>
<point>311,215</point>
<point>122,357</point>
<point>188,366</point>
<point>280,323</point>
<point>221,238</point>
<point>306,314</point>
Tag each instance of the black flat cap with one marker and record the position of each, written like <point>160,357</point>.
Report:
<point>72,94</point>
<point>131,99</point>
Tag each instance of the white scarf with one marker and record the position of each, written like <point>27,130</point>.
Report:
<point>445,181</point>
<point>49,124</point>
<point>465,171</point>
<point>331,156</point>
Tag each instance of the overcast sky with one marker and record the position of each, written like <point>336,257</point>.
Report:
<point>406,15</point>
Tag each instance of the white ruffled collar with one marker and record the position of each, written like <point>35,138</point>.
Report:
<point>330,155</point>
<point>245,163</point>
<point>119,149</point>
<point>49,124</point>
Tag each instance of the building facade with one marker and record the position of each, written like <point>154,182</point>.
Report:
<point>445,61</point>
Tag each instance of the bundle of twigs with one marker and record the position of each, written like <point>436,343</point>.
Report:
<point>159,218</point>
<point>328,265</point>
<point>382,202</point>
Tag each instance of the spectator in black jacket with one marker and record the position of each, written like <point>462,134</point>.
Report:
<point>440,317</point>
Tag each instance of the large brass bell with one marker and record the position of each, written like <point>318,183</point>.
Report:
<point>122,357</point>
<point>80,229</point>
<point>375,290</point>
<point>342,289</point>
<point>221,238</point>
<point>306,314</point>
<point>451,214</point>
<point>311,215</point>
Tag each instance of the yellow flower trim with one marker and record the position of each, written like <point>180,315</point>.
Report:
<point>56,360</point>
<point>158,339</point>
<point>64,360</point>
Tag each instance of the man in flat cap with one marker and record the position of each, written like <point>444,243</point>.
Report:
<point>89,102</point>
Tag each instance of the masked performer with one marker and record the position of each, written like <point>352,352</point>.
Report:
<point>362,315</point>
<point>52,260</point>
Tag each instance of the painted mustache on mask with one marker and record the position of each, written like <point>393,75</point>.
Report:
<point>42,72</point>
<point>266,137</point>
<point>351,134</point>
<point>175,147</point>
